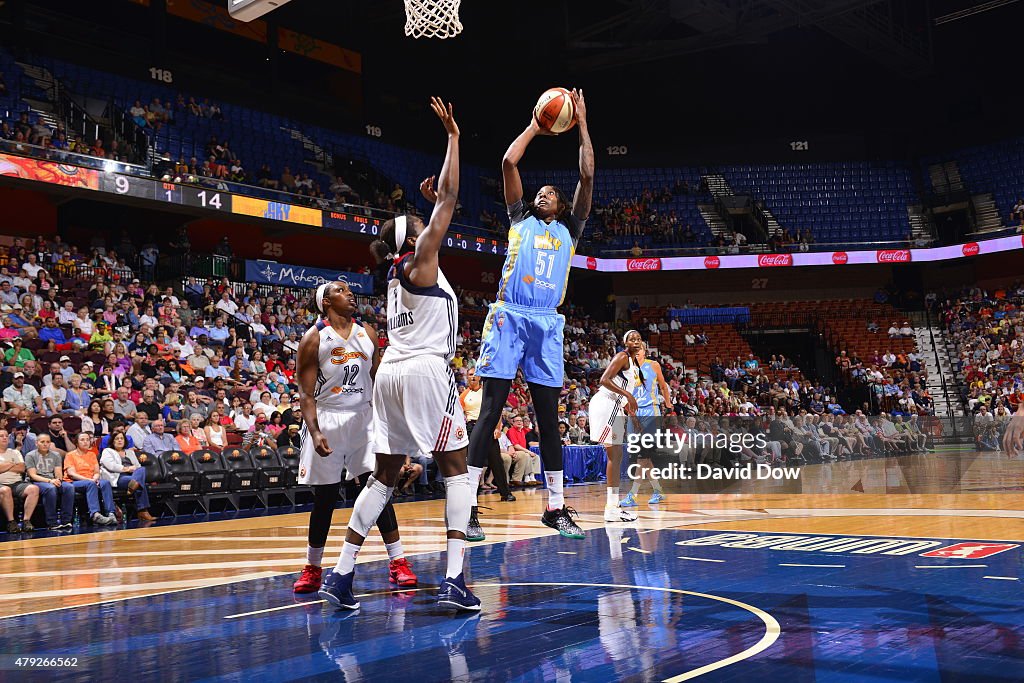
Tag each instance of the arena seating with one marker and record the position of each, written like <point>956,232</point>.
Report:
<point>838,202</point>
<point>995,168</point>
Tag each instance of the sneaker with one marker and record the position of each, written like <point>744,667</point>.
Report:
<point>27,527</point>
<point>508,499</point>
<point>473,530</point>
<point>12,527</point>
<point>310,579</point>
<point>628,502</point>
<point>118,515</point>
<point>561,521</point>
<point>453,593</point>
<point>65,525</point>
<point>337,590</point>
<point>401,574</point>
<point>618,515</point>
<point>656,498</point>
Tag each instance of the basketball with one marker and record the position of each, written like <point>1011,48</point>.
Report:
<point>555,111</point>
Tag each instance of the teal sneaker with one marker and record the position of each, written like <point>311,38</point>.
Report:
<point>656,498</point>
<point>628,502</point>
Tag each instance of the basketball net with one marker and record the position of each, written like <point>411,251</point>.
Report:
<point>432,18</point>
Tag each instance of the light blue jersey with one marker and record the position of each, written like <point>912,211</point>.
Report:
<point>523,329</point>
<point>536,268</point>
<point>644,391</point>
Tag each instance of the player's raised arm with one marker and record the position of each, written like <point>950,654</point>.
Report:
<point>422,269</point>
<point>309,365</point>
<point>584,196</point>
<point>510,162</point>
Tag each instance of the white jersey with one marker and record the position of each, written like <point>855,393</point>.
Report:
<point>421,320</point>
<point>626,379</point>
<point>343,378</point>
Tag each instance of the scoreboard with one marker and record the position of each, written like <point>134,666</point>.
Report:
<point>214,199</point>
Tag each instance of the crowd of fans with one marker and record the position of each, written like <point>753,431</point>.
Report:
<point>987,330</point>
<point>92,352</point>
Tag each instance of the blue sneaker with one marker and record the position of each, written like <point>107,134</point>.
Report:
<point>628,502</point>
<point>337,590</point>
<point>656,498</point>
<point>453,593</point>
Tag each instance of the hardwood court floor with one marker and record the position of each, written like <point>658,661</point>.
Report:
<point>808,586</point>
<point>70,570</point>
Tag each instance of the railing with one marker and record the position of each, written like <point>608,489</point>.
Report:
<point>64,157</point>
<point>711,250</point>
<point>938,365</point>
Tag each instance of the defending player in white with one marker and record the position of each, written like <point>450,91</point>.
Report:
<point>415,402</point>
<point>338,359</point>
<point>609,408</point>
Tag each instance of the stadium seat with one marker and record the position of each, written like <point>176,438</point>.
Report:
<point>271,475</point>
<point>214,480</point>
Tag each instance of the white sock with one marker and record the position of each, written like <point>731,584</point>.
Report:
<point>475,473</point>
<point>395,550</point>
<point>614,541</point>
<point>612,498</point>
<point>456,551</point>
<point>556,501</point>
<point>459,499</point>
<point>314,556</point>
<point>347,561</point>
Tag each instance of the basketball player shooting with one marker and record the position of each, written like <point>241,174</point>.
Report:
<point>415,398</point>
<point>338,359</point>
<point>523,329</point>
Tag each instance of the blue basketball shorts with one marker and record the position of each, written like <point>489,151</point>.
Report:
<point>518,337</point>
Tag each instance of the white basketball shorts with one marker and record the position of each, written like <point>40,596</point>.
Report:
<point>416,409</point>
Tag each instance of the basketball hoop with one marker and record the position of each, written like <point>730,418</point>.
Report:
<point>432,18</point>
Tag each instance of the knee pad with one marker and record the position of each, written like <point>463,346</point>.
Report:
<point>459,501</point>
<point>369,505</point>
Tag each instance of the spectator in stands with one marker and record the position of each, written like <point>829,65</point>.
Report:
<point>13,485</point>
<point>289,437</point>
<point>158,440</point>
<point>906,331</point>
<point>81,470</point>
<point>45,468</point>
<point>122,469</point>
<point>21,396</point>
<point>894,330</point>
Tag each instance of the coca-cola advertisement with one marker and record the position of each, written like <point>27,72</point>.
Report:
<point>773,260</point>
<point>591,263</point>
<point>635,264</point>
<point>712,262</point>
<point>893,256</point>
<point>972,249</point>
<point>840,258</point>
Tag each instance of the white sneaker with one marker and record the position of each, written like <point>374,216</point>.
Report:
<point>618,515</point>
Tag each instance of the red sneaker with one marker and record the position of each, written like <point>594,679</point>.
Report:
<point>310,580</point>
<point>401,574</point>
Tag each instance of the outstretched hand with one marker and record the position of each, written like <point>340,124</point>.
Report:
<point>581,105</point>
<point>428,191</point>
<point>444,112</point>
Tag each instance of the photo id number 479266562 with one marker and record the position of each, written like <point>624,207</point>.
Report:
<point>20,662</point>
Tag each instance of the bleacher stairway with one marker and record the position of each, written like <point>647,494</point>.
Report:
<point>986,213</point>
<point>719,187</point>
<point>933,346</point>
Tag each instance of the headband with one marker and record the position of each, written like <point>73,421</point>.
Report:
<point>401,225</point>
<point>321,291</point>
<point>628,332</point>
